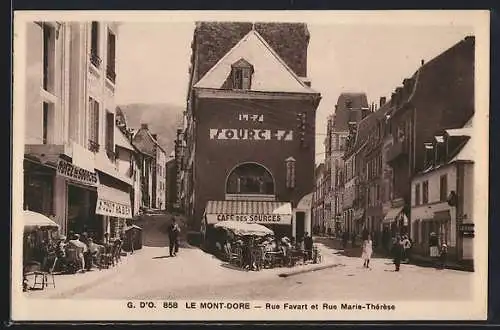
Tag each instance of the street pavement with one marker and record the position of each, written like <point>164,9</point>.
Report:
<point>150,274</point>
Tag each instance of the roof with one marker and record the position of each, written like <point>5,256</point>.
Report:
<point>148,133</point>
<point>122,141</point>
<point>271,73</point>
<point>213,39</point>
<point>366,125</point>
<point>343,115</point>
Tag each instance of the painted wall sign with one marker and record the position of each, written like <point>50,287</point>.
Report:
<point>76,173</point>
<point>250,134</point>
<point>282,219</point>
<point>112,209</point>
<point>251,117</point>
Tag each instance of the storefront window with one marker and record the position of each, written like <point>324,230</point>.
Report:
<point>250,178</point>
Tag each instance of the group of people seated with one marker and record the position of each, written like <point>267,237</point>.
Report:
<point>283,246</point>
<point>88,251</point>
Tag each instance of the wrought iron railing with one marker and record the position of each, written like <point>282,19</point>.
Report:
<point>95,60</point>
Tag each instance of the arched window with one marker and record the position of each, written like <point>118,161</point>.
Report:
<point>250,178</point>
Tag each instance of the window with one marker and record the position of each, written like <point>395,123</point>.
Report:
<point>110,131</point>
<point>290,173</point>
<point>238,79</point>
<point>425,192</point>
<point>417,194</point>
<point>46,123</point>
<point>110,68</point>
<point>49,49</point>
<point>94,45</point>
<point>94,125</point>
<point>250,178</point>
<point>348,104</point>
<point>443,188</point>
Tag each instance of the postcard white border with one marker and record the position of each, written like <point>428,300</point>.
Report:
<point>71,310</point>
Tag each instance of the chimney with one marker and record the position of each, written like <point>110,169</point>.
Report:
<point>155,136</point>
<point>382,101</point>
<point>422,62</point>
<point>144,126</point>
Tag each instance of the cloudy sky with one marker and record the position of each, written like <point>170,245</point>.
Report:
<point>153,59</point>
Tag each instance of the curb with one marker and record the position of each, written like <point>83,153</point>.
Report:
<point>85,286</point>
<point>312,269</point>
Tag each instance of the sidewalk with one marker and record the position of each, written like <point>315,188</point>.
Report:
<point>415,259</point>
<point>68,284</point>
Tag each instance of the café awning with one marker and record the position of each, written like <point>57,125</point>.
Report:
<point>392,214</point>
<point>263,212</point>
<point>113,202</point>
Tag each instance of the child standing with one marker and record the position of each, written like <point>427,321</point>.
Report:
<point>367,251</point>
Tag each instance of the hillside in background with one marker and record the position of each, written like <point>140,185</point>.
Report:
<point>162,119</point>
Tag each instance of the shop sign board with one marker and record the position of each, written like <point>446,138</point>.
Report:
<point>250,134</point>
<point>113,209</point>
<point>278,219</point>
<point>467,229</point>
<point>78,174</point>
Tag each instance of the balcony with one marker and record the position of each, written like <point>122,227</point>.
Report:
<point>111,74</point>
<point>397,150</point>
<point>95,60</point>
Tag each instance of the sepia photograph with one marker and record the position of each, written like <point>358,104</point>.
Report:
<point>250,165</point>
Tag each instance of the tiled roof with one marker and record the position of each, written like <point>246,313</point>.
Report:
<point>343,115</point>
<point>271,73</point>
<point>212,40</point>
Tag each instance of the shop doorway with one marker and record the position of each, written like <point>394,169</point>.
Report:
<point>300,218</point>
<point>81,212</point>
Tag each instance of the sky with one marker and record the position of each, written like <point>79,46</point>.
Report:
<point>153,60</point>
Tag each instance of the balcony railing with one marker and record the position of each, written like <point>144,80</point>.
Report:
<point>111,74</point>
<point>93,146</point>
<point>111,154</point>
<point>95,60</point>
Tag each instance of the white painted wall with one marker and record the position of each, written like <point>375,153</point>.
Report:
<point>426,211</point>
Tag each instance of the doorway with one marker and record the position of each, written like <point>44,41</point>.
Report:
<point>300,217</point>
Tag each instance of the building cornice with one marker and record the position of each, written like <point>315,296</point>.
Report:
<point>231,94</point>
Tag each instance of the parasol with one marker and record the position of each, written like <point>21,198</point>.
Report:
<point>34,220</point>
<point>244,228</point>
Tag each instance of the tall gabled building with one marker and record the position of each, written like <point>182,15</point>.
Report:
<point>249,128</point>
<point>349,110</point>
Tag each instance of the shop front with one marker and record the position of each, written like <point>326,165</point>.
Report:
<point>113,206</point>
<point>38,187</point>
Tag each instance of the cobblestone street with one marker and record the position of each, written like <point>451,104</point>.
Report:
<point>150,274</point>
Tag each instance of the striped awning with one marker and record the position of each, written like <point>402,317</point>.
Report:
<point>392,214</point>
<point>265,212</point>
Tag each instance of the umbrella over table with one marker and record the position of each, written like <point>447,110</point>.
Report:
<point>34,220</point>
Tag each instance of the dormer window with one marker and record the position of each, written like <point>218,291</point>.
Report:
<point>241,75</point>
<point>348,104</point>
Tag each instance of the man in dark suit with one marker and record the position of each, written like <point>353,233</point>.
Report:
<point>173,237</point>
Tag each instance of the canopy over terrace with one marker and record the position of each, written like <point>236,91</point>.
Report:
<point>244,228</point>
<point>262,212</point>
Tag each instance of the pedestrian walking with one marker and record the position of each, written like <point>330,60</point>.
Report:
<point>367,251</point>
<point>397,252</point>
<point>173,237</point>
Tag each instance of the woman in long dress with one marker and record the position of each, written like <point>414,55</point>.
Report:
<point>367,251</point>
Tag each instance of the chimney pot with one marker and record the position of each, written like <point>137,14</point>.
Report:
<point>144,126</point>
<point>422,62</point>
<point>382,100</point>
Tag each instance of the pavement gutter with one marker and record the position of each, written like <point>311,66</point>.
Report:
<point>308,270</point>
